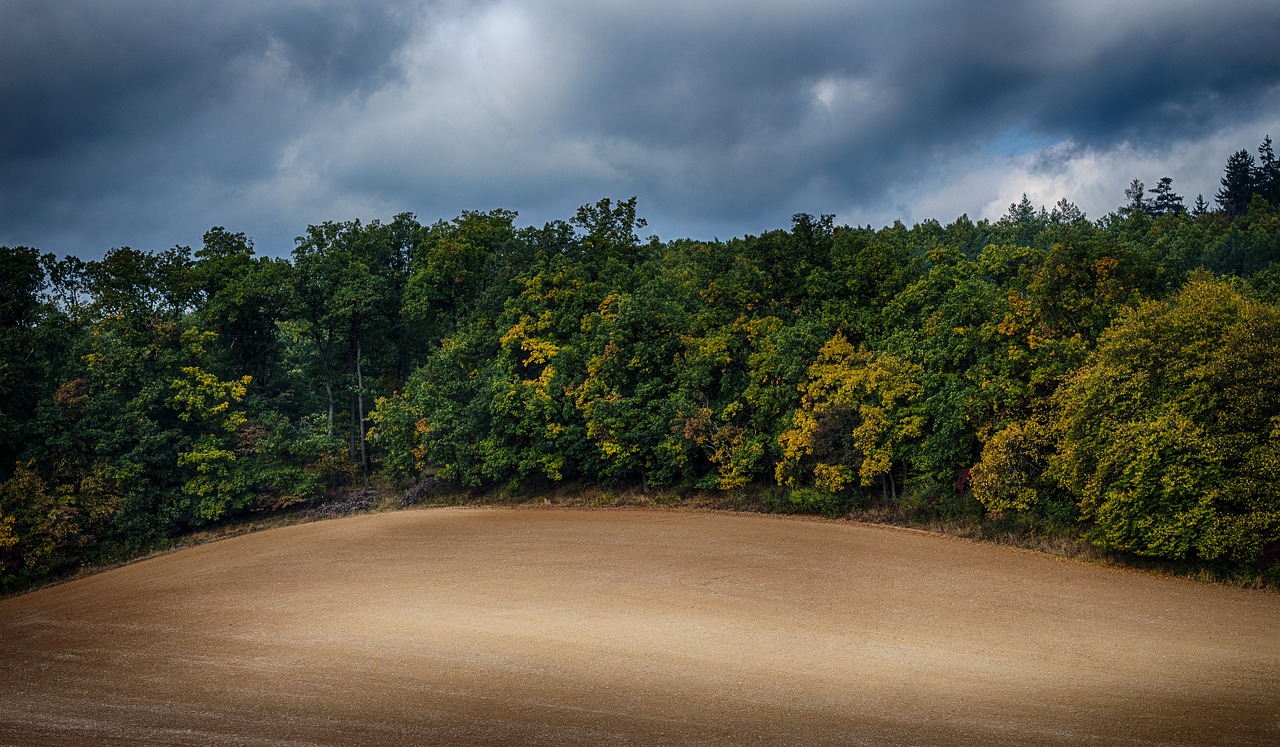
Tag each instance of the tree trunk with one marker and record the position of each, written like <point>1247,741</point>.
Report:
<point>328,375</point>
<point>352,425</point>
<point>364,454</point>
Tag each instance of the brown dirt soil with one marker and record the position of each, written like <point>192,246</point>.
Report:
<point>519,626</point>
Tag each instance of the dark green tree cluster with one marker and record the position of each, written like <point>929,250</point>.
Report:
<point>1245,178</point>
<point>1113,378</point>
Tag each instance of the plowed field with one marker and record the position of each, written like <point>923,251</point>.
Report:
<point>646,627</point>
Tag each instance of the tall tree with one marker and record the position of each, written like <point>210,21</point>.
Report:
<point>22,280</point>
<point>610,243</point>
<point>1066,212</point>
<point>1138,203</point>
<point>242,297</point>
<point>1021,212</point>
<point>1166,201</point>
<point>1237,184</point>
<point>1267,175</point>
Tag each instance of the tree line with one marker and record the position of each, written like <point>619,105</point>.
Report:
<point>1112,379</point>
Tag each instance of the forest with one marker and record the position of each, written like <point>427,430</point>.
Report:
<point>1113,380</point>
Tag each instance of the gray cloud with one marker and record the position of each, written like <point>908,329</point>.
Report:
<point>145,123</point>
<point>128,120</point>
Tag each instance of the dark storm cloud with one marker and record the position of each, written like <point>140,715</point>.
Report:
<point>146,122</point>
<point>76,71</point>
<point>938,78</point>
<point>1178,75</point>
<point>111,107</point>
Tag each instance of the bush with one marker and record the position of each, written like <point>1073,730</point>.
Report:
<point>814,501</point>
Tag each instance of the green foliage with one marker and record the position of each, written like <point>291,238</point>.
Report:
<point>219,485</point>
<point>39,526</point>
<point>626,398</point>
<point>813,501</point>
<point>1168,433</point>
<point>1251,244</point>
<point>1010,478</point>
<point>397,430</point>
<point>1238,183</point>
<point>1045,370</point>
<point>22,357</point>
<point>241,299</point>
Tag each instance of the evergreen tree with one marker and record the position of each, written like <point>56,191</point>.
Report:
<point>1066,213</point>
<point>1166,201</point>
<point>1200,208</point>
<point>1138,203</point>
<point>1267,175</point>
<point>1021,212</point>
<point>1237,184</point>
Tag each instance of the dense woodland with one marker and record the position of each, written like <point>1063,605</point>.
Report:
<point>1114,380</point>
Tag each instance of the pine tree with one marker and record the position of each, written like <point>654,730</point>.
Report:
<point>1201,207</point>
<point>1166,201</point>
<point>1138,203</point>
<point>1066,212</point>
<point>1237,184</point>
<point>1021,212</point>
<point>1267,175</point>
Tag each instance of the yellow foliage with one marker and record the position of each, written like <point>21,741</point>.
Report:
<point>797,446</point>
<point>1005,477</point>
<point>609,308</point>
<point>881,389</point>
<point>831,477</point>
<point>7,537</point>
<point>523,335</point>
<point>734,450</point>
<point>201,396</point>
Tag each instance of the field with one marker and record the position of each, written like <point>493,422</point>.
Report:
<point>526,626</point>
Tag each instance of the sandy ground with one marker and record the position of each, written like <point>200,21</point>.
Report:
<point>520,626</point>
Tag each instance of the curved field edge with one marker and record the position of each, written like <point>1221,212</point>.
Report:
<point>749,500</point>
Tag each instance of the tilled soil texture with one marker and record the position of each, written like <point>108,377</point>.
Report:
<point>520,626</point>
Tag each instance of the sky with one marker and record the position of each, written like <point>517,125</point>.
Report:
<point>146,122</point>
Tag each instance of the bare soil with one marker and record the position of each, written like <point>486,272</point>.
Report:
<point>465,626</point>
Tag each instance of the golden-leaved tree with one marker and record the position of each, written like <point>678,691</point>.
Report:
<point>860,409</point>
